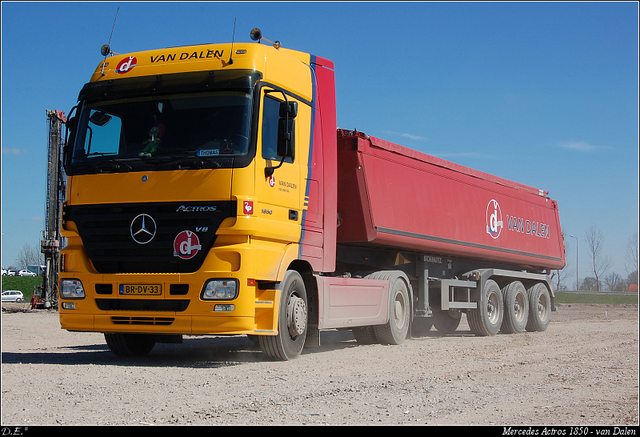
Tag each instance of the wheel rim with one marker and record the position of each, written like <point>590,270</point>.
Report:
<point>493,311</point>
<point>296,316</point>
<point>399,309</point>
<point>543,307</point>
<point>519,307</point>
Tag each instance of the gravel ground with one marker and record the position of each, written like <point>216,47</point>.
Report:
<point>583,370</point>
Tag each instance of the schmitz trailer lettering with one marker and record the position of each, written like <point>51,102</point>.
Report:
<point>234,205</point>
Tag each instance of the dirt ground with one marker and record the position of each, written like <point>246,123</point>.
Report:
<point>583,370</point>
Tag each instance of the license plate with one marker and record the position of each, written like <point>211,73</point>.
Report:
<point>138,289</point>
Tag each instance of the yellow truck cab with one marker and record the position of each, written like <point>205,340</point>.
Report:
<point>187,201</point>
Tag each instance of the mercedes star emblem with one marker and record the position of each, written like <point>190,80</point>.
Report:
<point>143,228</point>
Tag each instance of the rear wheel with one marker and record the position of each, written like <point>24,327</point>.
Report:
<point>516,308</point>
<point>539,307</point>
<point>130,345</point>
<point>396,329</point>
<point>486,319</point>
<point>292,320</point>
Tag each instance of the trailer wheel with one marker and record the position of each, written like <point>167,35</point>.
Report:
<point>516,308</point>
<point>292,321</point>
<point>396,329</point>
<point>130,345</point>
<point>487,318</point>
<point>539,307</point>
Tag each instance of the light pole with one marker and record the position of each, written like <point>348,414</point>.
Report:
<point>577,276</point>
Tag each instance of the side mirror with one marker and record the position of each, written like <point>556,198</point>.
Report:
<point>100,118</point>
<point>288,109</point>
<point>287,129</point>
<point>70,135</point>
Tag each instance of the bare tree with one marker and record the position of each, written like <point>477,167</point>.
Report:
<point>588,284</point>
<point>614,282</point>
<point>599,263</point>
<point>29,256</point>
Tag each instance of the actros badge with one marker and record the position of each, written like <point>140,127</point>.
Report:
<point>186,245</point>
<point>143,228</point>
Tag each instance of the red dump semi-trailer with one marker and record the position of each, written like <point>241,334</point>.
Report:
<point>463,240</point>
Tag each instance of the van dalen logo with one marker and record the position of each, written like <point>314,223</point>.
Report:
<point>126,65</point>
<point>186,245</point>
<point>494,219</point>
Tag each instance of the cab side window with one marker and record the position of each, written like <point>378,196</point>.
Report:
<point>270,119</point>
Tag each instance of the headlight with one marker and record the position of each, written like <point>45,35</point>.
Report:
<point>71,289</point>
<point>220,289</point>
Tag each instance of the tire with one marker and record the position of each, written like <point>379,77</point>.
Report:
<point>516,308</point>
<point>396,329</point>
<point>487,318</point>
<point>421,326</point>
<point>539,307</point>
<point>364,335</point>
<point>446,322</point>
<point>292,320</point>
<point>130,345</point>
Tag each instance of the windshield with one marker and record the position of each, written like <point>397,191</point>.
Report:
<point>160,129</point>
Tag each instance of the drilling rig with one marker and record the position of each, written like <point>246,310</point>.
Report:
<point>46,296</point>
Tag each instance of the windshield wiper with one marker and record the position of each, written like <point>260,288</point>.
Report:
<point>183,162</point>
<point>111,166</point>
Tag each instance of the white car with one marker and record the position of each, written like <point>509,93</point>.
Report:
<point>12,296</point>
<point>26,273</point>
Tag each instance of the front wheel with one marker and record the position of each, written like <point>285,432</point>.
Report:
<point>292,320</point>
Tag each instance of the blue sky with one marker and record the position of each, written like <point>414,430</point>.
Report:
<point>545,94</point>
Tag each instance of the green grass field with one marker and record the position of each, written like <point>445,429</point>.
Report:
<point>631,298</point>
<point>22,283</point>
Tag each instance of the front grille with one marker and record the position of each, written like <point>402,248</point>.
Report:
<point>155,321</point>
<point>174,305</point>
<point>107,235</point>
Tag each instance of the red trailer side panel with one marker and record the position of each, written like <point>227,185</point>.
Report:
<point>393,196</point>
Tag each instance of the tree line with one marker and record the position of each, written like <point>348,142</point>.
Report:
<point>599,277</point>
